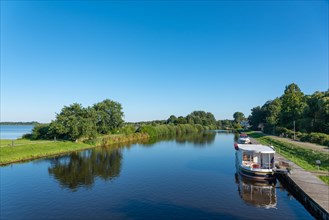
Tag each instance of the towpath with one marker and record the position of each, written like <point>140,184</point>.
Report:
<point>308,182</point>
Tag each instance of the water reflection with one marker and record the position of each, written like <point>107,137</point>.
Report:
<point>198,139</point>
<point>80,169</point>
<point>258,194</point>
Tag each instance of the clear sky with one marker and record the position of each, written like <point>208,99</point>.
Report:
<point>158,58</point>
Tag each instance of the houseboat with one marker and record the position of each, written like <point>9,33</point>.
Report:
<point>255,161</point>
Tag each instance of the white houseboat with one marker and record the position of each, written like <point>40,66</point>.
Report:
<point>255,161</point>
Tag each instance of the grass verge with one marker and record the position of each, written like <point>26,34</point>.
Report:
<point>303,157</point>
<point>325,179</point>
<point>27,150</point>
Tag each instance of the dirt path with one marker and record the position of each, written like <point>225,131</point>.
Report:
<point>307,145</point>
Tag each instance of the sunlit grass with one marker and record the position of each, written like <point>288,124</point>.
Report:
<point>36,150</point>
<point>17,142</point>
<point>24,149</point>
<point>301,156</point>
<point>325,179</point>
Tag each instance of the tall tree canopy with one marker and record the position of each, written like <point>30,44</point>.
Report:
<point>310,112</point>
<point>109,116</point>
<point>293,105</point>
<point>238,117</point>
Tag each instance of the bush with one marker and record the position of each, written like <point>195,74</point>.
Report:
<point>40,131</point>
<point>128,129</point>
<point>148,129</point>
<point>318,138</point>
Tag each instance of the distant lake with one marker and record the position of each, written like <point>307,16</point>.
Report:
<point>14,131</point>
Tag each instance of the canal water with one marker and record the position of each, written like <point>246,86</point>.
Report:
<point>190,177</point>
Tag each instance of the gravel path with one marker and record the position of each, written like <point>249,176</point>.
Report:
<point>307,145</point>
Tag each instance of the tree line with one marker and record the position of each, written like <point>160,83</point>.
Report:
<point>293,110</point>
<point>206,119</point>
<point>77,122</point>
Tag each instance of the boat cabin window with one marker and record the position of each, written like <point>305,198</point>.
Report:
<point>247,156</point>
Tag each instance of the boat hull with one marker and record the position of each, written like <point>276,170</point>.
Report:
<point>259,175</point>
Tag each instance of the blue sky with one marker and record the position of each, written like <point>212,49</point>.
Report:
<point>158,58</point>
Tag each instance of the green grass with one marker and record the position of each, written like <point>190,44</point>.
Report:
<point>6,143</point>
<point>325,179</point>
<point>303,157</point>
<point>36,150</point>
<point>27,149</point>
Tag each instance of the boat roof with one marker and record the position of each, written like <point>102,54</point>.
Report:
<point>256,148</point>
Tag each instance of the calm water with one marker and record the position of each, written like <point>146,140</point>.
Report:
<point>191,177</point>
<point>14,131</point>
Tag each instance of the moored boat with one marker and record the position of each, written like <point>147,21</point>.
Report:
<point>255,161</point>
<point>244,139</point>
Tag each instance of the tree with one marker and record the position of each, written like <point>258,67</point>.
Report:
<point>74,122</point>
<point>238,117</point>
<point>257,117</point>
<point>172,119</point>
<point>272,111</point>
<point>293,105</point>
<point>109,116</point>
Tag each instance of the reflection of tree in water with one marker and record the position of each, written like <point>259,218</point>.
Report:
<point>198,139</point>
<point>81,169</point>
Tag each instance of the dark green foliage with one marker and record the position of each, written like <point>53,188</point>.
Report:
<point>41,131</point>
<point>293,105</point>
<point>257,117</point>
<point>75,122</point>
<point>109,116</point>
<point>318,138</point>
<point>238,117</point>
<point>196,117</point>
<point>309,112</point>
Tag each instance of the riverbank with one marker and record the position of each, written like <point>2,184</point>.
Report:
<point>304,185</point>
<point>295,152</point>
<point>23,150</point>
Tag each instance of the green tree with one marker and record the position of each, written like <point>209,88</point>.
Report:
<point>109,116</point>
<point>293,105</point>
<point>257,117</point>
<point>238,117</point>
<point>272,111</point>
<point>74,122</point>
<point>172,119</point>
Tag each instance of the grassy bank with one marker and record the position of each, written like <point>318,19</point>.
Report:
<point>36,149</point>
<point>29,149</point>
<point>325,179</point>
<point>24,149</point>
<point>303,157</point>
